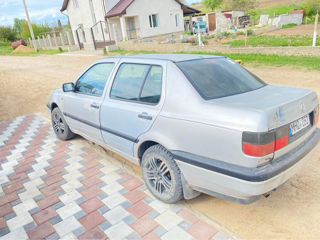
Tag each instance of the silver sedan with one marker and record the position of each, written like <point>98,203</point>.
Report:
<point>194,123</point>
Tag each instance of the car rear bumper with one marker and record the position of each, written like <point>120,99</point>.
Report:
<point>242,184</point>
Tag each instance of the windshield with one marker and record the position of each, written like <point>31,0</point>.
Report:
<point>219,77</point>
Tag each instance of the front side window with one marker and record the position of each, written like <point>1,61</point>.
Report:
<point>92,82</point>
<point>138,82</point>
<point>153,20</point>
<point>219,77</point>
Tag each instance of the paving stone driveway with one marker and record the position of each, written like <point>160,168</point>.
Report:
<point>51,189</point>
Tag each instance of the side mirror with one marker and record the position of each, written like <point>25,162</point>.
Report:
<point>68,87</point>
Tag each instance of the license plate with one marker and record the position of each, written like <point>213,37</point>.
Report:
<point>299,124</point>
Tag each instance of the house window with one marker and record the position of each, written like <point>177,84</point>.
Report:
<point>177,19</point>
<point>75,3</point>
<point>153,20</point>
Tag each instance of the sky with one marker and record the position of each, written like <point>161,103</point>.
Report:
<point>40,11</point>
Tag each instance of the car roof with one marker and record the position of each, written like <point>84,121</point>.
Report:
<point>170,57</point>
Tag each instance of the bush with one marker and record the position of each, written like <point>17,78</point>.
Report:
<point>60,49</point>
<point>7,34</point>
<point>250,32</point>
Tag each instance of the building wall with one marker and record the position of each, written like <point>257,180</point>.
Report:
<point>166,10</point>
<point>82,15</point>
<point>110,4</point>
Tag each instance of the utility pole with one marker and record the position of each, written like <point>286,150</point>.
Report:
<point>30,26</point>
<point>315,30</point>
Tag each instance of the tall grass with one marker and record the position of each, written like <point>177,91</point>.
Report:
<point>273,41</point>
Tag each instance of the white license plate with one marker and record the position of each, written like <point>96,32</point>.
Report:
<point>299,124</point>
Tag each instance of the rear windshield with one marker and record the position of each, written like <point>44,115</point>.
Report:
<point>219,77</point>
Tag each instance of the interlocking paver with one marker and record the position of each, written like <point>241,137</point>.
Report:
<point>44,215</point>
<point>5,209</point>
<point>51,189</point>
<point>139,209</point>
<point>144,225</point>
<point>92,220</point>
<point>92,205</point>
<point>95,233</point>
<point>202,230</point>
<point>42,231</point>
<point>135,196</point>
<point>168,219</point>
<point>67,225</point>
<point>47,202</point>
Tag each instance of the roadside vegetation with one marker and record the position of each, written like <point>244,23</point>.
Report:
<point>312,63</point>
<point>6,49</point>
<point>273,41</point>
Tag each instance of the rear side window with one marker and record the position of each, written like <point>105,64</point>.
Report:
<point>138,82</point>
<point>92,82</point>
<point>151,90</point>
<point>219,77</point>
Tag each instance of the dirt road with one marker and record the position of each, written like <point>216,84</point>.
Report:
<point>290,213</point>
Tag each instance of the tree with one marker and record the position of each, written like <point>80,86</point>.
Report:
<point>311,7</point>
<point>212,4</point>
<point>17,25</point>
<point>240,4</point>
<point>38,29</point>
<point>7,34</point>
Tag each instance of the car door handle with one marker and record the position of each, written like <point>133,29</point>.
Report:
<point>145,115</point>
<point>94,105</point>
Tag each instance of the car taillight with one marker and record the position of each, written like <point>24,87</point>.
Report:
<point>262,144</point>
<point>315,115</point>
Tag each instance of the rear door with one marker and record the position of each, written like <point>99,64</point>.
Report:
<point>82,107</point>
<point>133,103</point>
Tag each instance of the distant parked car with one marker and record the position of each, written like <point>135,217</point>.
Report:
<point>194,123</point>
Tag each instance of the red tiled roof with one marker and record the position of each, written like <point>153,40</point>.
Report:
<point>120,8</point>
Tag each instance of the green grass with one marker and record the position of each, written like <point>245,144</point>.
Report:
<point>312,63</point>
<point>273,41</point>
<point>40,52</point>
<point>6,49</point>
<point>290,25</point>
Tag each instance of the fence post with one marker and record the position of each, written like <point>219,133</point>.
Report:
<point>50,41</point>
<point>61,39</point>
<point>94,41</point>
<point>30,42</point>
<point>68,38</point>
<point>39,42</point>
<point>55,39</point>
<point>44,41</point>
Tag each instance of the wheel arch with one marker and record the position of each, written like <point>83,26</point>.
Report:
<point>53,106</point>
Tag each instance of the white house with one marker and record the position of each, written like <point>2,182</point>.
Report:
<point>102,21</point>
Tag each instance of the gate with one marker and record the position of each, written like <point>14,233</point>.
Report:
<point>80,31</point>
<point>101,35</point>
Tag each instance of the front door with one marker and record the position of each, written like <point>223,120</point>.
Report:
<point>82,107</point>
<point>133,104</point>
<point>212,21</point>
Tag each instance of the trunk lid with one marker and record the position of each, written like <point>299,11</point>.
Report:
<point>281,105</point>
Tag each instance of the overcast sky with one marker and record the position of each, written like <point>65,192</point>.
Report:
<point>40,11</point>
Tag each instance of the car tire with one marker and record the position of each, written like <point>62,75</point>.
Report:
<point>161,174</point>
<point>60,126</point>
